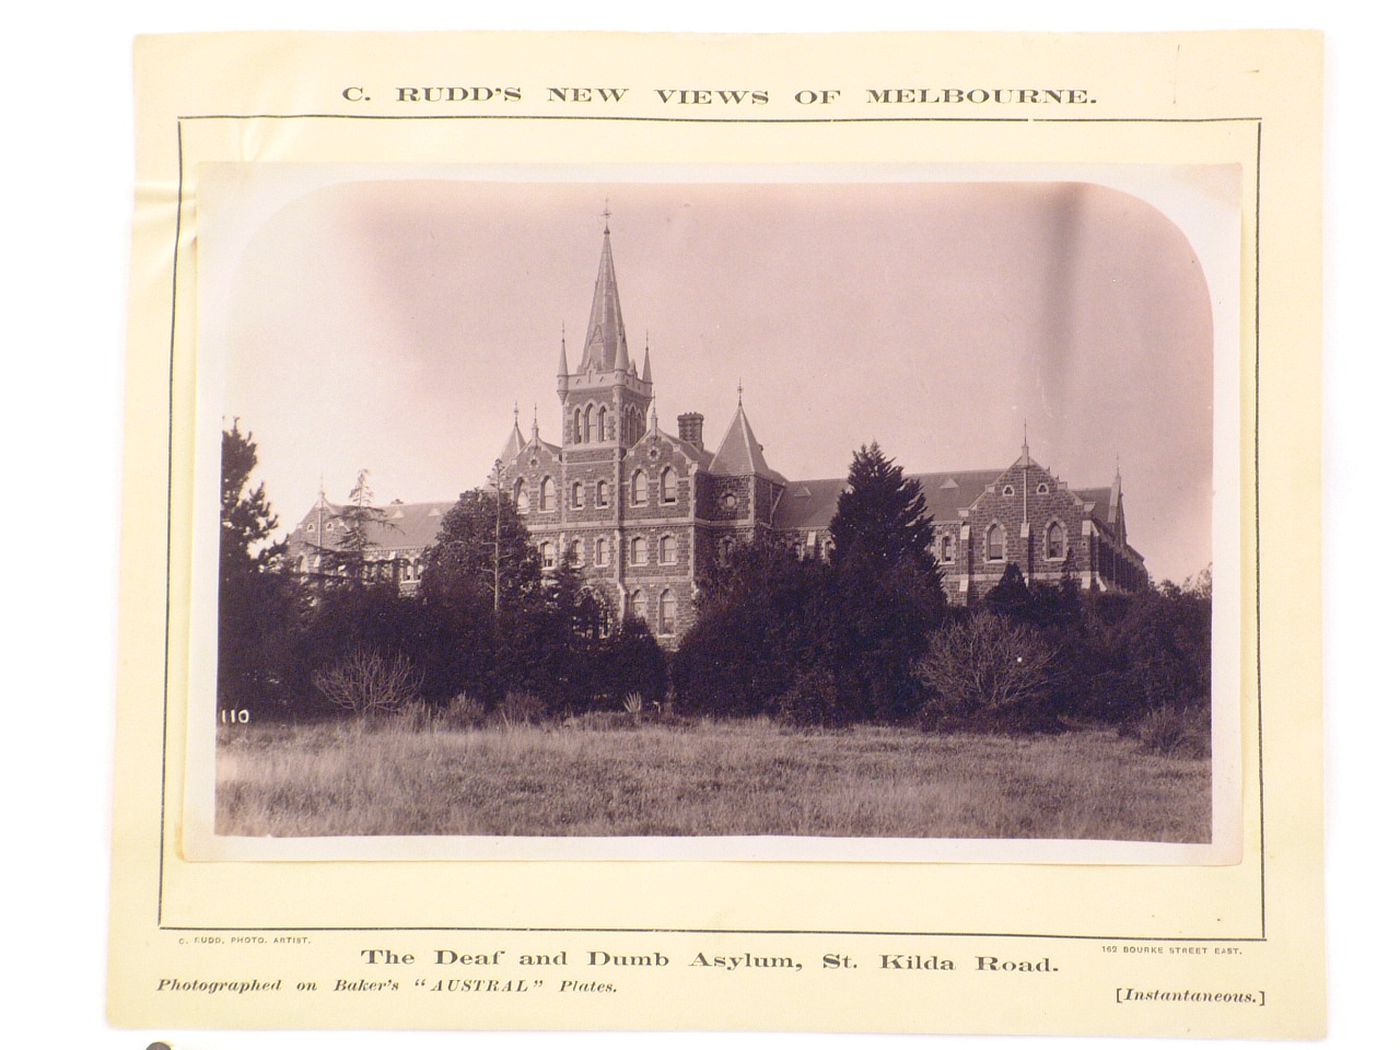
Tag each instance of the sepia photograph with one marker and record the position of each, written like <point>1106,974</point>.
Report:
<point>789,507</point>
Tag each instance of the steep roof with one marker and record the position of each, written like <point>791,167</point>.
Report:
<point>605,343</point>
<point>406,525</point>
<point>740,453</point>
<point>514,444</point>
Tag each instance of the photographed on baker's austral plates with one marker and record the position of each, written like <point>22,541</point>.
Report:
<point>765,511</point>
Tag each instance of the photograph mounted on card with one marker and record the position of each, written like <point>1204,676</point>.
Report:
<point>725,512</point>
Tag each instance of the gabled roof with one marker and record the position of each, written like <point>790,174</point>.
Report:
<point>406,525</point>
<point>740,454</point>
<point>605,340</point>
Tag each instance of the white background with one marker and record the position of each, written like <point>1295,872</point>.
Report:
<point>65,236</point>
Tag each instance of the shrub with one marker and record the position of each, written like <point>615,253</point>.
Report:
<point>463,712</point>
<point>1179,731</point>
<point>813,700</point>
<point>368,683</point>
<point>986,670</point>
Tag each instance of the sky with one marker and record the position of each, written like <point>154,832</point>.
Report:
<point>368,319</point>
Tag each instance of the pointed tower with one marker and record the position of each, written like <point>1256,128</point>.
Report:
<point>605,402</point>
<point>514,443</point>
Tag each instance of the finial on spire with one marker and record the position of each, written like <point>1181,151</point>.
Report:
<point>741,392</point>
<point>607,217</point>
<point>517,413</point>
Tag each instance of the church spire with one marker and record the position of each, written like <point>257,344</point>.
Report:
<point>563,356</point>
<point>646,360</point>
<point>605,346</point>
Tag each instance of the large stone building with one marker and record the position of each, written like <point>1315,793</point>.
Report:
<point>644,511</point>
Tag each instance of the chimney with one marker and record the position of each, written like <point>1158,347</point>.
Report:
<point>692,427</point>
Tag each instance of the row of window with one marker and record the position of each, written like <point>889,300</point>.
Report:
<point>996,543</point>
<point>590,424</point>
<point>638,552</point>
<point>602,492</point>
<point>1040,490</point>
<point>410,569</point>
<point>665,610</point>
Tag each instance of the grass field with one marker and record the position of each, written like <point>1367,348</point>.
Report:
<point>706,778</point>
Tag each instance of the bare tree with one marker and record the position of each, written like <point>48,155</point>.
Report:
<point>986,667</point>
<point>368,684</point>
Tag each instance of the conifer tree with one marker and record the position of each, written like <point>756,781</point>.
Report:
<point>881,517</point>
<point>259,602</point>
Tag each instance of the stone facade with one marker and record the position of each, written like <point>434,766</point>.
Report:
<point>644,513</point>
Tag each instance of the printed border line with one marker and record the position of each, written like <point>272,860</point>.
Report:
<point>1258,517</point>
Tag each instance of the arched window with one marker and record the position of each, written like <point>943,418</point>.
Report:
<point>636,606</point>
<point>1055,541</point>
<point>603,423</point>
<point>547,555</point>
<point>576,552</point>
<point>588,423</point>
<point>600,551</point>
<point>639,487</point>
<point>668,486</point>
<point>946,547</point>
<point>604,493</point>
<point>547,494</point>
<point>666,613</point>
<point>639,550</point>
<point>522,500</point>
<point>578,426</point>
<point>668,550</point>
<point>830,548</point>
<point>726,550</point>
<point>301,563</point>
<point>577,497</point>
<point>996,543</point>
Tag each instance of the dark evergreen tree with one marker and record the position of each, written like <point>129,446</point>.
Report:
<point>260,602</point>
<point>881,516</point>
<point>483,548</point>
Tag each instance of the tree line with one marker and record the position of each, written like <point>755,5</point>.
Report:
<point>864,636</point>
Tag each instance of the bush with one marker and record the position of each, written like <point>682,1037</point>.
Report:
<point>1179,731</point>
<point>813,700</point>
<point>368,683</point>
<point>463,712</point>
<point>984,670</point>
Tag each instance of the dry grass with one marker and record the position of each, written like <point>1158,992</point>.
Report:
<point>707,778</point>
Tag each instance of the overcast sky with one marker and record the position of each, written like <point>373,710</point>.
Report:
<point>391,324</point>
